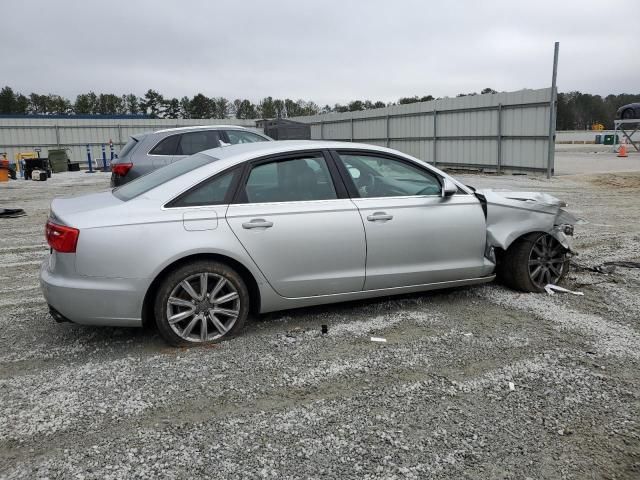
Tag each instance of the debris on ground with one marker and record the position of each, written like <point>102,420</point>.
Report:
<point>551,289</point>
<point>379,339</point>
<point>12,212</point>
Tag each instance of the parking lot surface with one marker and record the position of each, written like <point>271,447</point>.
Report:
<point>478,382</point>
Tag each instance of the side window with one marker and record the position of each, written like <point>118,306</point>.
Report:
<point>291,180</point>
<point>238,136</point>
<point>166,147</point>
<point>194,142</point>
<point>210,192</point>
<point>376,176</point>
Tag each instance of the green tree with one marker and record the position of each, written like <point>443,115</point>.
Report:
<point>487,90</point>
<point>21,105</point>
<point>200,107</point>
<point>132,104</point>
<point>278,105</point>
<point>172,108</point>
<point>244,109</point>
<point>267,108</point>
<point>185,107</point>
<point>58,105</point>
<point>83,105</point>
<point>7,101</point>
<point>153,104</point>
<point>221,108</point>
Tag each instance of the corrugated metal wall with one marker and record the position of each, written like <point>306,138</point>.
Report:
<point>20,134</point>
<point>502,131</point>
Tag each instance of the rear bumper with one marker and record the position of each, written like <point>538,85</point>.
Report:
<point>113,302</point>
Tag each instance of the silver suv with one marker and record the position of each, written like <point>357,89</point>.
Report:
<point>149,151</point>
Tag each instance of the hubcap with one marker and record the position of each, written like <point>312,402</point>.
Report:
<point>203,307</point>
<point>546,261</point>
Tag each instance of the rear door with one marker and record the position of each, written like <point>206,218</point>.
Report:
<point>195,142</point>
<point>414,235</point>
<point>293,216</point>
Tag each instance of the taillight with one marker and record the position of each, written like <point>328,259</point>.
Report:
<point>121,169</point>
<point>62,239</point>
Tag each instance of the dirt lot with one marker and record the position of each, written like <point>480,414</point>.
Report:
<point>284,401</point>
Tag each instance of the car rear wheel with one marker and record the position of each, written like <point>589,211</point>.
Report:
<point>628,114</point>
<point>202,302</point>
<point>532,262</point>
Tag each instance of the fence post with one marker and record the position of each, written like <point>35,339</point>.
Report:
<point>387,129</point>
<point>57,127</point>
<point>120,135</point>
<point>111,150</point>
<point>435,136</point>
<point>321,129</point>
<point>351,121</point>
<point>89,159</point>
<point>499,162</point>
<point>552,112</point>
<point>104,158</point>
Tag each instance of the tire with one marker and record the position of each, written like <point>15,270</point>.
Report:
<point>533,261</point>
<point>628,114</point>
<point>196,320</point>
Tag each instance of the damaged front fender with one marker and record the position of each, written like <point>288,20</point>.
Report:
<point>513,214</point>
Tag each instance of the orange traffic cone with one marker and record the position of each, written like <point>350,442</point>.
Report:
<point>622,151</point>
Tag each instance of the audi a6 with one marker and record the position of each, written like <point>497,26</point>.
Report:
<point>200,244</point>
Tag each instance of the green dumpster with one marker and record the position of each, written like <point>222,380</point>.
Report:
<point>608,139</point>
<point>59,160</point>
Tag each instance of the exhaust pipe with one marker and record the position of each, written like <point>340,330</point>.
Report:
<point>57,316</point>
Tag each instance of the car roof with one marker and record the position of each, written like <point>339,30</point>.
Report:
<point>251,150</point>
<point>200,127</point>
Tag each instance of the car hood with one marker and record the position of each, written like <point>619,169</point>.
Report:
<point>513,214</point>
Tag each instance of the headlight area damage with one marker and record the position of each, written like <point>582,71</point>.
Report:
<point>510,215</point>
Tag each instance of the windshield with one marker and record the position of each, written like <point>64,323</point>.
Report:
<point>162,175</point>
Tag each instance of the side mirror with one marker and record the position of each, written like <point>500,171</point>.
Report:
<point>448,188</point>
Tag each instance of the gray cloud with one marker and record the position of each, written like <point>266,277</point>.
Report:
<point>329,51</point>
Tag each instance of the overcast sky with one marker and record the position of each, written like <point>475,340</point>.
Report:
<point>326,50</point>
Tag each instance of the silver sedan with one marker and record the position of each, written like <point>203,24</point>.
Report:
<point>198,245</point>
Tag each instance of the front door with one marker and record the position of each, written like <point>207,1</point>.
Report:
<point>414,235</point>
<point>292,221</point>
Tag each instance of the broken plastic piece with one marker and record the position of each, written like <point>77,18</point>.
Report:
<point>512,386</point>
<point>549,288</point>
<point>11,212</point>
<point>379,339</point>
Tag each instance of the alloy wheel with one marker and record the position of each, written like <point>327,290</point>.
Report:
<point>546,261</point>
<point>203,307</point>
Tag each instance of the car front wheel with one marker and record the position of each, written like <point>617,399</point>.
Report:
<point>201,302</point>
<point>532,262</point>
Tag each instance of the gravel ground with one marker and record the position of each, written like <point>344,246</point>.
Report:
<point>472,383</point>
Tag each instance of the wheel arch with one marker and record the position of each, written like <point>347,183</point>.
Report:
<point>246,275</point>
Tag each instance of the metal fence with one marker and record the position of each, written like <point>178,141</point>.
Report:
<point>20,134</point>
<point>502,131</point>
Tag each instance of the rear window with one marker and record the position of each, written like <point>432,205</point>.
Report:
<point>128,147</point>
<point>158,177</point>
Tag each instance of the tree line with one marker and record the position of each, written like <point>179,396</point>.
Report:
<point>576,110</point>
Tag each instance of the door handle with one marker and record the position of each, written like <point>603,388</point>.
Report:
<point>379,217</point>
<point>257,223</point>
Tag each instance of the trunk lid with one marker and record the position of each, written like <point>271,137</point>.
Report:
<point>73,211</point>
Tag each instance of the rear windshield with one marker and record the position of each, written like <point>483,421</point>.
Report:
<point>128,147</point>
<point>162,175</point>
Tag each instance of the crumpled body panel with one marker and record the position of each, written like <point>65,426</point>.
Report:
<point>513,214</point>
